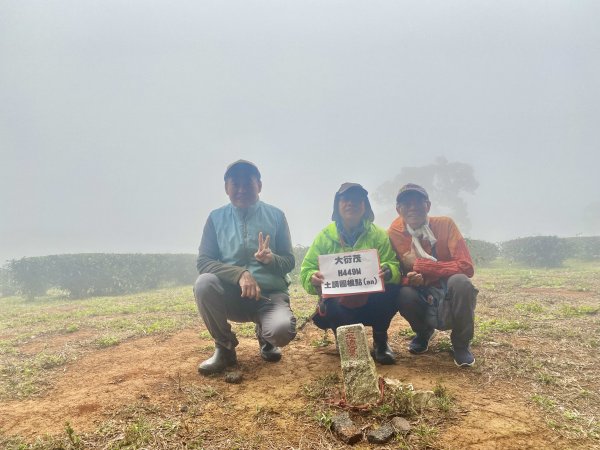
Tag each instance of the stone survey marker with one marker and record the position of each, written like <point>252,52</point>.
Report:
<point>358,368</point>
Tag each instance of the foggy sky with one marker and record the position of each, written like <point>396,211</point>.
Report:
<point>117,119</point>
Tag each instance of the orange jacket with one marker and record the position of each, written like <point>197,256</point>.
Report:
<point>451,249</point>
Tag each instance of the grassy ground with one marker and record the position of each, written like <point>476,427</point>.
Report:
<point>537,332</point>
<point>32,327</point>
<point>541,330</point>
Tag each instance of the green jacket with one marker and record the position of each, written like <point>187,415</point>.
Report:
<point>328,241</point>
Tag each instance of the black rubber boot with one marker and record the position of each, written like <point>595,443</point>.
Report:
<point>218,362</point>
<point>382,353</point>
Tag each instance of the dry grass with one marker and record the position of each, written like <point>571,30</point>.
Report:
<point>539,330</point>
<point>537,333</point>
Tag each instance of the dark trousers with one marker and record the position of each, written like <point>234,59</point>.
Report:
<point>377,313</point>
<point>459,310</point>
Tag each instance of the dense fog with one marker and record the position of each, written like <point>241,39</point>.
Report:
<point>117,119</point>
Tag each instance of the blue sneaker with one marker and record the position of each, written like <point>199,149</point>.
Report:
<point>463,357</point>
<point>420,343</point>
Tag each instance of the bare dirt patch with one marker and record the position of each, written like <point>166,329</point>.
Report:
<point>268,404</point>
<point>126,378</point>
<point>57,342</point>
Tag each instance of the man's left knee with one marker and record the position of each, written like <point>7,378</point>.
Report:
<point>281,333</point>
<point>460,284</point>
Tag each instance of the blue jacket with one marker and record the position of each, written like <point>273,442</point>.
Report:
<point>230,239</point>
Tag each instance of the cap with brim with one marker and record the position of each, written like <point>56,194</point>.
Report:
<point>241,165</point>
<point>408,188</point>
<point>345,187</point>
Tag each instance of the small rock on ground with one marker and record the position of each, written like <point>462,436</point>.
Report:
<point>381,435</point>
<point>401,425</point>
<point>345,429</point>
<point>234,377</point>
<point>421,399</point>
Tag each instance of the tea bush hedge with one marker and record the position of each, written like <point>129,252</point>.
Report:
<point>482,252</point>
<point>87,274</point>
<point>537,251</point>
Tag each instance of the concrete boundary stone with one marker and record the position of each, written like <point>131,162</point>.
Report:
<point>361,382</point>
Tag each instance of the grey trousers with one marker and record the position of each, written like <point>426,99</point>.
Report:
<point>219,302</point>
<point>459,309</point>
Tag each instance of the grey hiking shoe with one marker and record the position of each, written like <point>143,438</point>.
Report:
<point>268,351</point>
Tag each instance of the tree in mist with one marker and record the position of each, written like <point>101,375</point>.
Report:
<point>444,181</point>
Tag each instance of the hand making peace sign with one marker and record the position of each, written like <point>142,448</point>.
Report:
<point>264,253</point>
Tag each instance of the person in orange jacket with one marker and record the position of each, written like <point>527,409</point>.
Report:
<point>436,291</point>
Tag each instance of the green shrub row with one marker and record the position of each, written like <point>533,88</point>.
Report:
<point>586,248</point>
<point>86,274</point>
<point>550,251</point>
<point>299,252</point>
<point>537,251</point>
<point>6,286</point>
<point>482,252</point>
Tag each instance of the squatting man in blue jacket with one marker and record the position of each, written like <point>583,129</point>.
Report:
<point>244,259</point>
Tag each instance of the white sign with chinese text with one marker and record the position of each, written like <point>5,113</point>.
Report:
<point>350,273</point>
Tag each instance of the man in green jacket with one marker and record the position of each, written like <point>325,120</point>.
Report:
<point>244,260</point>
<point>353,229</point>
